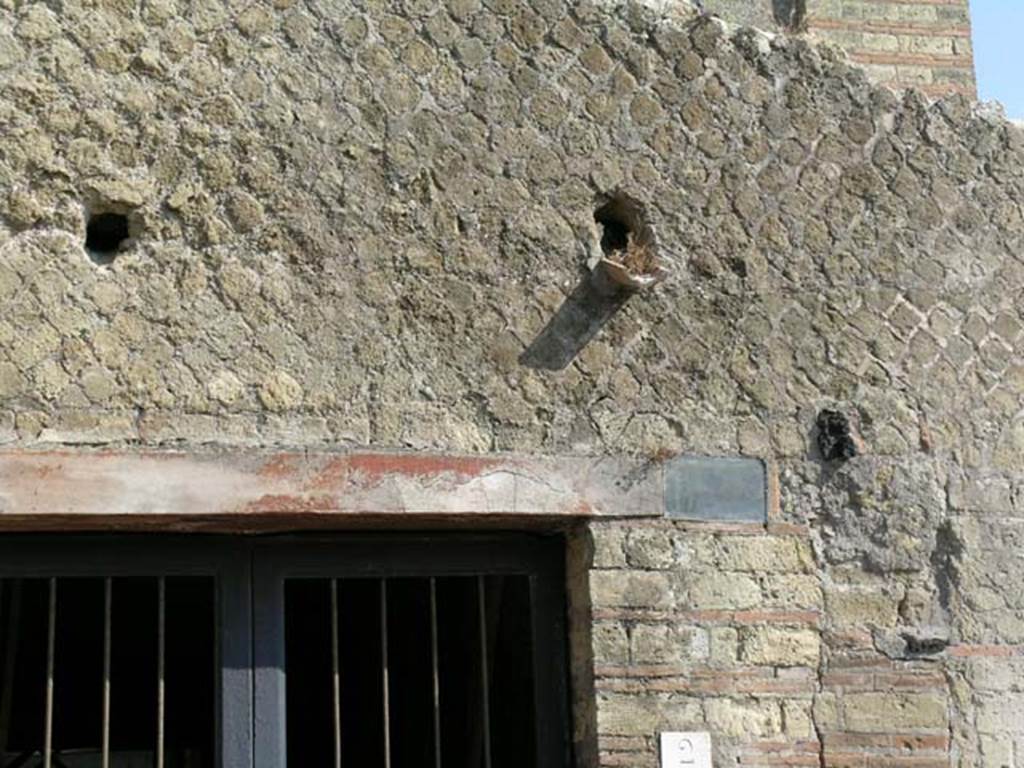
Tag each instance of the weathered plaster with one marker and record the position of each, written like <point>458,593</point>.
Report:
<point>105,486</point>
<point>352,220</point>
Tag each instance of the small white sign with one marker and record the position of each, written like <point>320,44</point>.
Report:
<point>686,750</point>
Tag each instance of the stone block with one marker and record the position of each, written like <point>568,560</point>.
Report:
<point>652,548</point>
<point>763,554</point>
<point>792,591</point>
<point>629,589</point>
<point>827,712</point>
<point>724,645</point>
<point>608,546</point>
<point>744,718</point>
<point>87,427</point>
<point>892,712</point>
<point>610,642</point>
<point>780,646</point>
<point>621,715</point>
<point>798,719</point>
<point>997,675</point>
<point>983,493</point>
<point>858,608</point>
<point>8,431</point>
<point>627,715</point>
<point>710,591</point>
<point>1000,715</point>
<point>658,644</point>
<point>996,752</point>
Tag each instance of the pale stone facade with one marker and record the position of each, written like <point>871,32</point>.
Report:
<point>350,224</point>
<point>922,44</point>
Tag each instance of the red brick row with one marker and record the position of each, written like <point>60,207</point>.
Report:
<point>898,741</point>
<point>811,618</point>
<point>890,28</point>
<point>954,61</point>
<point>689,685</point>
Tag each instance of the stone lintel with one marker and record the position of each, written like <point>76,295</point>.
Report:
<point>41,490</point>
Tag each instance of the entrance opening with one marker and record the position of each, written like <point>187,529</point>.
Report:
<point>446,679</point>
<point>370,650</point>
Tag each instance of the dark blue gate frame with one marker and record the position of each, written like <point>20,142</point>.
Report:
<point>99,556</point>
<point>387,555</point>
<point>249,575</point>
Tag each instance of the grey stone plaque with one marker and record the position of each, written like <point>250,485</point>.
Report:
<point>724,489</point>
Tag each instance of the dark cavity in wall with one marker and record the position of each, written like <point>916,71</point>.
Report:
<point>927,645</point>
<point>835,438</point>
<point>790,14</point>
<point>628,245</point>
<point>948,550</point>
<point>615,221</point>
<point>105,235</point>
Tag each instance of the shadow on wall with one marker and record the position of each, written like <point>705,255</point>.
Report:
<point>630,264</point>
<point>585,312</point>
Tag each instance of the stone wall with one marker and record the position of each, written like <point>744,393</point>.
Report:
<point>923,44</point>
<point>916,43</point>
<point>372,224</point>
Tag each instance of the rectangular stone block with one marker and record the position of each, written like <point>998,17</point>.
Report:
<point>658,644</point>
<point>626,715</point>
<point>721,489</point>
<point>894,712</point>
<point>856,607</point>
<point>650,548</point>
<point>780,646</point>
<point>791,590</point>
<point>744,718</point>
<point>608,546</point>
<point>8,434</point>
<point>718,591</point>
<point>630,589</point>
<point>763,554</point>
<point>610,643</point>
<point>1002,715</point>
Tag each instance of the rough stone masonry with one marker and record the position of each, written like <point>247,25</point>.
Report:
<point>348,223</point>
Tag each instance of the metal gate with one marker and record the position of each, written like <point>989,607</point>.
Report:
<point>367,650</point>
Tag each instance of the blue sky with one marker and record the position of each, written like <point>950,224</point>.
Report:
<point>999,52</point>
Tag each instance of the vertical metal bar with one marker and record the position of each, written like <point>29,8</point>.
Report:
<point>161,681</point>
<point>484,677</point>
<point>336,673</point>
<point>384,670</point>
<point>51,640</point>
<point>436,672</point>
<point>108,607</point>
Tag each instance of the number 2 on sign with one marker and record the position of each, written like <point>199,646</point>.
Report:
<point>686,750</point>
